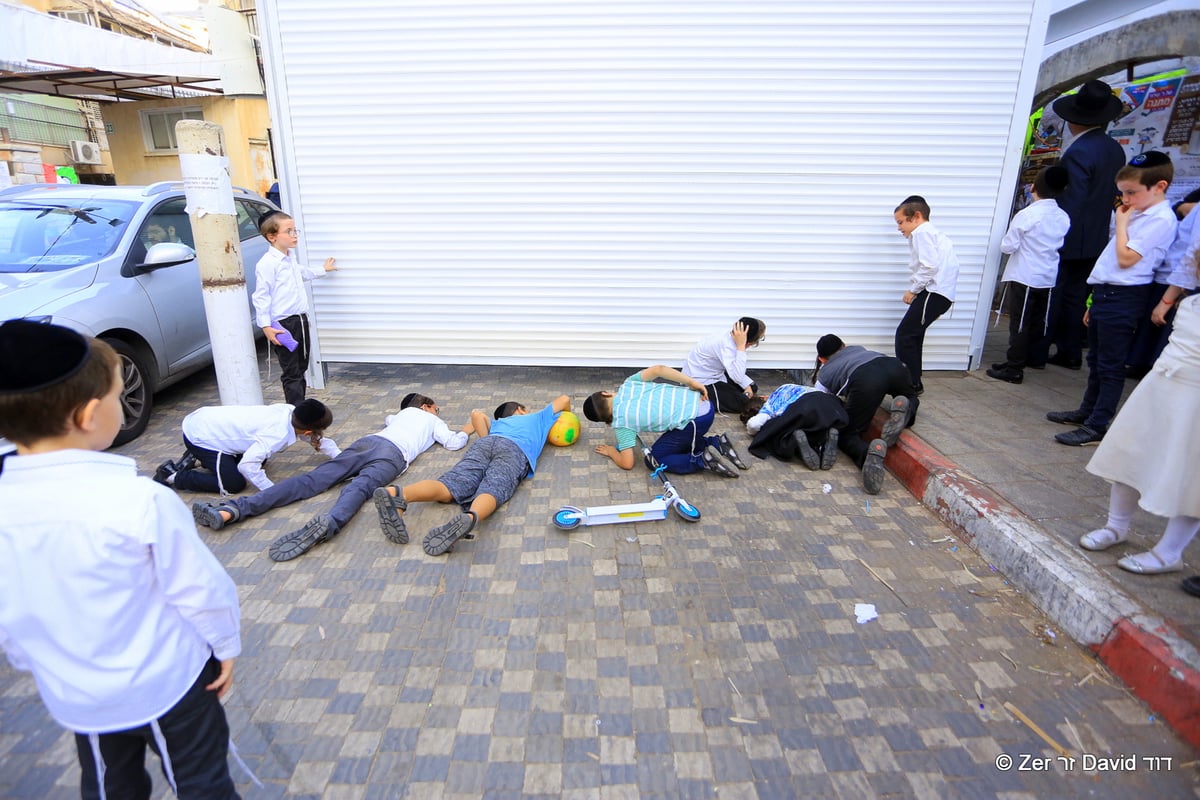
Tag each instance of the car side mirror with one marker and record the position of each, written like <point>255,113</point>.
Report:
<point>165,254</point>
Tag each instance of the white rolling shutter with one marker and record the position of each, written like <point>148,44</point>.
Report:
<point>597,183</point>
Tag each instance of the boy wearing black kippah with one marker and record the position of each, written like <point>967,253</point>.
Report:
<point>1032,241</point>
<point>1120,282</point>
<point>128,623</point>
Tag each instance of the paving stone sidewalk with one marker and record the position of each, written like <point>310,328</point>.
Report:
<point>659,659</point>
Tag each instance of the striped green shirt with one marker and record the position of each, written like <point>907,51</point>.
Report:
<point>642,407</point>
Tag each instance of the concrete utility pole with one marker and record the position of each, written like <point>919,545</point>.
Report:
<point>214,225</point>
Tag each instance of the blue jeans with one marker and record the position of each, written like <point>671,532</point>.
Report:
<point>1112,325</point>
<point>680,450</point>
<point>373,461</point>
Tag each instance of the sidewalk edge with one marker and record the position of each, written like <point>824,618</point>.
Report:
<point>1155,662</point>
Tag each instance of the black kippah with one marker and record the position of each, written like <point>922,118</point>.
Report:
<point>1057,178</point>
<point>37,355</point>
<point>1150,158</point>
<point>311,413</point>
<point>829,344</point>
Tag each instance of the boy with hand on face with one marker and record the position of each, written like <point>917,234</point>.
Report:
<point>1144,228</point>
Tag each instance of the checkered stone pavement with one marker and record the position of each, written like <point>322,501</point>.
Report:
<point>654,659</point>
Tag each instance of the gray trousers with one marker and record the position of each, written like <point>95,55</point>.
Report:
<point>373,461</point>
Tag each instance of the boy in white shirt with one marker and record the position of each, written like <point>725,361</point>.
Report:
<point>230,444</point>
<point>1145,227</point>
<point>128,623</point>
<point>1033,239</point>
<point>932,285</point>
<point>371,462</point>
<point>719,362</point>
<point>280,297</point>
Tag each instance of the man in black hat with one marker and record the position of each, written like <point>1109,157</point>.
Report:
<point>1091,160</point>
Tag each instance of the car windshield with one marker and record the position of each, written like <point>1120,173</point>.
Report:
<point>45,236</point>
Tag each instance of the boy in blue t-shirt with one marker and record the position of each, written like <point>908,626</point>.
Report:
<point>486,477</point>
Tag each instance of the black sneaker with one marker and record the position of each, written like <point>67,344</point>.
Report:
<point>165,472</point>
<point>188,461</point>
<point>392,524</point>
<point>897,421</point>
<point>443,537</point>
<point>830,450</point>
<point>725,447</point>
<point>209,514</point>
<point>1009,374</point>
<point>872,471</point>
<point>808,455</point>
<point>712,462</point>
<point>1082,436</point>
<point>297,543</point>
<point>1067,417</point>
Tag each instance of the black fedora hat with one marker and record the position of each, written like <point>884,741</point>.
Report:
<point>1093,104</point>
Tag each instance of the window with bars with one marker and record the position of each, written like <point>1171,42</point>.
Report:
<point>158,127</point>
<point>54,122</point>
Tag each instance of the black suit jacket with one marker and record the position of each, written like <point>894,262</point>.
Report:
<point>1092,162</point>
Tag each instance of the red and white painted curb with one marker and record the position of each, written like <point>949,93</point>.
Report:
<point>1155,662</point>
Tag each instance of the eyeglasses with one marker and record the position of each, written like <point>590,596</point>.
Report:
<point>290,231</point>
<point>760,341</point>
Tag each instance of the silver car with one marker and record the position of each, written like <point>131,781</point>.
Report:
<point>116,262</point>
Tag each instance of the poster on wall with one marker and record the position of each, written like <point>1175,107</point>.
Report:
<point>1161,112</point>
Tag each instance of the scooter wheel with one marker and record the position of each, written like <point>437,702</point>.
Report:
<point>568,517</point>
<point>686,511</point>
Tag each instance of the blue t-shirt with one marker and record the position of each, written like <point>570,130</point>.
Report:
<point>528,431</point>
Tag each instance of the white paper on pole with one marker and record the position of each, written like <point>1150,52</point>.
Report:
<point>207,184</point>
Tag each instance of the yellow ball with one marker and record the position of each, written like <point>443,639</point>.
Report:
<point>565,431</point>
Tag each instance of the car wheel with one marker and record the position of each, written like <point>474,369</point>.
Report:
<point>138,398</point>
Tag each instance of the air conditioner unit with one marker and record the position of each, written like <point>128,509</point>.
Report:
<point>85,152</point>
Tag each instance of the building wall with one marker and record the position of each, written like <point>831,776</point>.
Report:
<point>245,121</point>
<point>598,183</point>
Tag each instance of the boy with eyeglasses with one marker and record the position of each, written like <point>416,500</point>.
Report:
<point>280,299</point>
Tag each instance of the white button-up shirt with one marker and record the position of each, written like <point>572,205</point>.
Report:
<point>1033,239</point>
<point>279,287</point>
<point>714,358</point>
<point>1150,233</point>
<point>107,594</point>
<point>254,432</point>
<point>414,430</point>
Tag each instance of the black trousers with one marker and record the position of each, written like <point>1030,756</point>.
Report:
<point>1065,329</point>
<point>727,397</point>
<point>867,387</point>
<point>922,312</point>
<point>197,739</point>
<point>293,363</point>
<point>215,463</point>
<point>1026,309</point>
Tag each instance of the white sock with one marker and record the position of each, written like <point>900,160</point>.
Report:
<point>1175,539</point>
<point>1122,502</point>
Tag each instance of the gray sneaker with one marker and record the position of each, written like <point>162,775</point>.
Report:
<point>297,543</point>
<point>725,448</point>
<point>873,471</point>
<point>391,523</point>
<point>897,421</point>
<point>443,537</point>
<point>711,461</point>
<point>808,455</point>
<point>830,450</point>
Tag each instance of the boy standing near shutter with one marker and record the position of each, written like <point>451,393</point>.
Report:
<point>1032,241</point>
<point>932,284</point>
<point>280,297</point>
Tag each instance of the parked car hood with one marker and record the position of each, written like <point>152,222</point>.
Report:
<point>23,293</point>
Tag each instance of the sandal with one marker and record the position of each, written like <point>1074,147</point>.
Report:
<point>1137,563</point>
<point>1101,539</point>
